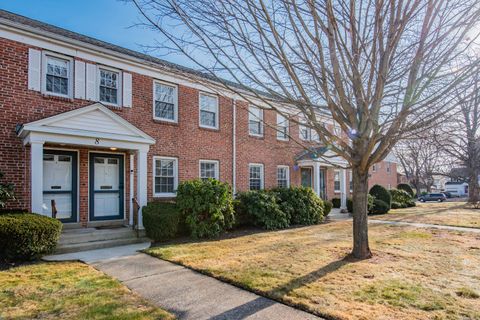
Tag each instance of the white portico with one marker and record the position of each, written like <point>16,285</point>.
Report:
<point>317,162</point>
<point>54,163</point>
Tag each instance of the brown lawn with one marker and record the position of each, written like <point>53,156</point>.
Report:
<point>444,213</point>
<point>69,290</point>
<point>415,273</point>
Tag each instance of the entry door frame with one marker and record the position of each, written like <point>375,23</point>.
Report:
<point>311,176</point>
<point>91,184</point>
<point>74,191</point>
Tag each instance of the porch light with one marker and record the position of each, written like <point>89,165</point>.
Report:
<point>113,149</point>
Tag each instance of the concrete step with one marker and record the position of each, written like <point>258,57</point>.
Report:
<point>92,234</point>
<point>92,245</point>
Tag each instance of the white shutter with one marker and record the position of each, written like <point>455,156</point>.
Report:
<point>34,69</point>
<point>79,79</point>
<point>127,90</point>
<point>91,83</point>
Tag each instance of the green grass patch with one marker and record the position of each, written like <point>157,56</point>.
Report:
<point>69,290</point>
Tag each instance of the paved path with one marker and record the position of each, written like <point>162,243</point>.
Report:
<point>426,225</point>
<point>185,293</point>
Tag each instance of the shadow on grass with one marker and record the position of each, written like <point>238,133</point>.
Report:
<point>311,277</point>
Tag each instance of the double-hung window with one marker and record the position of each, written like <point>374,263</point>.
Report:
<point>209,169</point>
<point>283,180</point>
<point>57,75</point>
<point>109,90</point>
<point>282,127</point>
<point>305,132</point>
<point>336,181</point>
<point>255,176</point>
<point>165,102</point>
<point>165,171</point>
<point>374,168</point>
<point>388,168</point>
<point>208,111</point>
<point>255,121</point>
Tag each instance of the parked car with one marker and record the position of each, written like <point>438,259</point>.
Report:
<point>447,194</point>
<point>440,197</point>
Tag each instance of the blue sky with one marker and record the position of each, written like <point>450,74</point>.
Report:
<point>108,20</point>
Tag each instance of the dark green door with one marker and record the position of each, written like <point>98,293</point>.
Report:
<point>306,177</point>
<point>106,186</point>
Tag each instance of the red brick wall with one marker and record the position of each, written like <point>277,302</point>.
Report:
<point>184,140</point>
<point>382,177</point>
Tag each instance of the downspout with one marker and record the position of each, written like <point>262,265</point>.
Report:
<point>131,191</point>
<point>234,148</point>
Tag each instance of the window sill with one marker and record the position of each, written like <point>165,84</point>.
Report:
<point>209,128</point>
<point>55,97</point>
<point>166,122</point>
<point>165,195</point>
<point>258,137</point>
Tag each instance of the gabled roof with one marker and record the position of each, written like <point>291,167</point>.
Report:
<point>94,120</point>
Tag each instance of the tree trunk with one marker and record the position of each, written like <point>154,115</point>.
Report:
<point>473,189</point>
<point>361,249</point>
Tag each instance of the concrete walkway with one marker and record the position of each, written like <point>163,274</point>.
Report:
<point>426,225</point>
<point>185,293</point>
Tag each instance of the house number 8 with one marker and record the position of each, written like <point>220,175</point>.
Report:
<point>97,141</point>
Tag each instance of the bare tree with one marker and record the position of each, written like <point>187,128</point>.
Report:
<point>422,157</point>
<point>463,133</point>
<point>379,68</point>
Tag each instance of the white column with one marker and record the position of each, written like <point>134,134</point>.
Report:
<point>316,178</point>
<point>132,189</point>
<point>36,173</point>
<point>343,189</point>
<point>141,183</point>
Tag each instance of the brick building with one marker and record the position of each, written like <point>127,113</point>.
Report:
<point>92,125</point>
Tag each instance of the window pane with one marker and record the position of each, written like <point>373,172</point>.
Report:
<point>255,177</point>
<point>57,74</point>
<point>164,176</point>
<point>164,101</point>
<point>208,170</point>
<point>108,86</point>
<point>208,103</point>
<point>207,118</point>
<point>282,177</point>
<point>255,127</point>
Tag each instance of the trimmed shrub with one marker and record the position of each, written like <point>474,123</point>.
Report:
<point>336,202</point>
<point>6,192</point>
<point>396,205</point>
<point>400,196</point>
<point>370,200</point>
<point>349,205</point>
<point>26,236</point>
<point>380,193</point>
<point>207,206</point>
<point>406,187</point>
<point>379,207</point>
<point>300,204</point>
<point>162,221</point>
<point>327,207</point>
<point>261,209</point>
<point>411,203</point>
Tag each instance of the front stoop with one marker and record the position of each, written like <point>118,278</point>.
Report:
<point>82,239</point>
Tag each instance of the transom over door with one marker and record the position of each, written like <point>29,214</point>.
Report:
<point>60,184</point>
<point>106,186</point>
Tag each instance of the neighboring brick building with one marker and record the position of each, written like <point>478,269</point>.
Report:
<point>92,125</point>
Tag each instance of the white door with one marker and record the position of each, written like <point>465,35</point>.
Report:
<point>58,184</point>
<point>107,187</point>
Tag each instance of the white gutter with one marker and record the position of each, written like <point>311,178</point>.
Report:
<point>234,148</point>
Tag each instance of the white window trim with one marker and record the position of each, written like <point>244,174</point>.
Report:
<point>286,124</point>
<point>175,178</point>
<point>261,121</point>
<point>175,101</point>
<point>288,174</point>
<point>262,174</point>
<point>217,117</point>
<point>217,167</point>
<point>43,80</point>
<point>119,86</point>
<point>335,172</point>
